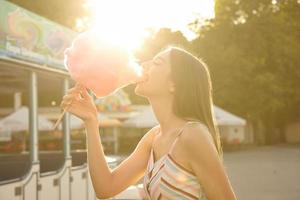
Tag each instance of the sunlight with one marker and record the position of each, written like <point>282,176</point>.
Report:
<point>126,22</point>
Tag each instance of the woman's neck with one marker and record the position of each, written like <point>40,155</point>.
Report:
<point>163,111</point>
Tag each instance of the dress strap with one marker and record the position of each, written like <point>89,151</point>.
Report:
<point>178,134</point>
<point>155,135</point>
<point>175,140</point>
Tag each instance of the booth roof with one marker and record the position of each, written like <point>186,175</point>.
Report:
<point>19,121</point>
<point>146,118</point>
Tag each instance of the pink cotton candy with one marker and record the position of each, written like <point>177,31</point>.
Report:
<point>101,66</point>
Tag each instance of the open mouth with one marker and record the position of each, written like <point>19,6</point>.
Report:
<point>143,79</point>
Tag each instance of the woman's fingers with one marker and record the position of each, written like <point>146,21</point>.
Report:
<point>79,90</point>
<point>67,100</point>
<point>65,104</point>
<point>85,93</point>
<point>71,96</point>
<point>74,90</point>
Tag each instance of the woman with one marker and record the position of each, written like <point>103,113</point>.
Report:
<point>181,158</point>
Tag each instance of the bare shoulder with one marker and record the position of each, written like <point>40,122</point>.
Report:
<point>196,136</point>
<point>149,136</point>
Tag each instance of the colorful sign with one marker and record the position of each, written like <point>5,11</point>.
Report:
<point>27,36</point>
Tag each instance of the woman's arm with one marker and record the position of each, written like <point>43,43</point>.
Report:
<point>204,160</point>
<point>106,183</point>
<point>99,171</point>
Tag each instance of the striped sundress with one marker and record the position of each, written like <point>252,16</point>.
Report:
<point>167,179</point>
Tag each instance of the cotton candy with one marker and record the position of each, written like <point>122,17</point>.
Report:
<point>100,65</point>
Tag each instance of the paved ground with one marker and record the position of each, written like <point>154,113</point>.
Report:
<point>265,173</point>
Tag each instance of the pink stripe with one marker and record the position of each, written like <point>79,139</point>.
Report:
<point>173,178</point>
<point>180,166</point>
<point>172,187</point>
<point>155,190</point>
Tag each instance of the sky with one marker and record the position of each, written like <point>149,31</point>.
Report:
<point>127,21</point>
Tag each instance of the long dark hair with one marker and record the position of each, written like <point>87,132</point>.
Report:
<point>193,91</point>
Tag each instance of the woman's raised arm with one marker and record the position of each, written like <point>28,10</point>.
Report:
<point>106,182</point>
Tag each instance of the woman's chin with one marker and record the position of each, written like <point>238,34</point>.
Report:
<point>139,90</point>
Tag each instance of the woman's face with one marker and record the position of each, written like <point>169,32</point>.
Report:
<point>156,77</point>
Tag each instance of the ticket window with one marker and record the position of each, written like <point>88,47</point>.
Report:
<point>14,123</point>
<point>50,93</point>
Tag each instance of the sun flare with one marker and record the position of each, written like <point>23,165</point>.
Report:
<point>127,23</point>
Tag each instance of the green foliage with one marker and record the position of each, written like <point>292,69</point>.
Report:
<point>253,50</point>
<point>159,40</point>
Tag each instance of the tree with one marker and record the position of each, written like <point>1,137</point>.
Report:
<point>252,48</point>
<point>159,40</point>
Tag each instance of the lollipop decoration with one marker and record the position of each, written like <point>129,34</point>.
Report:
<point>101,66</point>
<point>23,28</point>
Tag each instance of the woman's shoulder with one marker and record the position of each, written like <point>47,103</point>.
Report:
<point>195,134</point>
<point>149,136</point>
<point>193,128</point>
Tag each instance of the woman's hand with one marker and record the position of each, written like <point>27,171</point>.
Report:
<point>78,102</point>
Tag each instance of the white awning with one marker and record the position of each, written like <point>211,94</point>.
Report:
<point>18,121</point>
<point>146,118</point>
<point>226,118</point>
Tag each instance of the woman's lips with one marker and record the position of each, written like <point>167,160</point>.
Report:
<point>143,79</point>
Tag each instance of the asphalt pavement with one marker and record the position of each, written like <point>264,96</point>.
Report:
<point>265,173</point>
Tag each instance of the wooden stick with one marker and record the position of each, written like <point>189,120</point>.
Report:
<point>63,113</point>
<point>59,119</point>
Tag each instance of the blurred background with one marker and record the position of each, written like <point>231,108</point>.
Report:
<point>252,49</point>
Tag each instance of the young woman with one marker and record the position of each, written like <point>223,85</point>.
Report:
<point>181,158</point>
